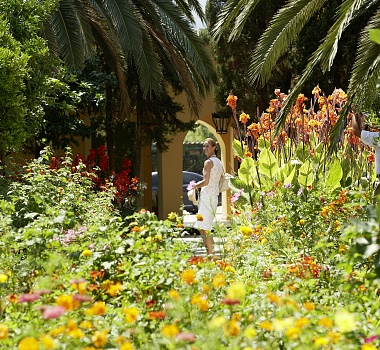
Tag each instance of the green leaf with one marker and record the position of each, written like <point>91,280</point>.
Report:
<point>374,35</point>
<point>335,175</point>
<point>306,177</point>
<point>268,164</point>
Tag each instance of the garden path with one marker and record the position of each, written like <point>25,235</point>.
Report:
<point>195,242</point>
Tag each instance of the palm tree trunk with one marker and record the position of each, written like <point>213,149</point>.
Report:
<point>139,131</point>
<point>109,127</point>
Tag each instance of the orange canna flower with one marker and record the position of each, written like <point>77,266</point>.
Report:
<point>231,101</point>
<point>244,118</point>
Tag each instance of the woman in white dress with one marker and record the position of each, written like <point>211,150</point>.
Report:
<point>208,202</point>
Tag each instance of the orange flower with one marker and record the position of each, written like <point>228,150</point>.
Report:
<point>371,157</point>
<point>231,101</point>
<point>157,315</point>
<point>244,118</point>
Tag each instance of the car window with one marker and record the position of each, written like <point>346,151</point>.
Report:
<point>154,180</point>
<point>187,177</point>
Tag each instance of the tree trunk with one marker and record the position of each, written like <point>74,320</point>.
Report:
<point>139,131</point>
<point>109,127</point>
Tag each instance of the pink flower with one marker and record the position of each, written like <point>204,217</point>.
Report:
<point>78,280</point>
<point>370,339</point>
<point>50,312</point>
<point>82,298</point>
<point>42,291</point>
<point>28,298</point>
<point>190,185</point>
<point>186,336</point>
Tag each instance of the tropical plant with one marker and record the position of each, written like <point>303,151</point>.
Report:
<point>135,33</point>
<point>283,30</point>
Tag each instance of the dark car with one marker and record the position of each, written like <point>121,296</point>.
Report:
<point>187,176</point>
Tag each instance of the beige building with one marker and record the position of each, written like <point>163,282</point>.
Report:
<point>170,164</point>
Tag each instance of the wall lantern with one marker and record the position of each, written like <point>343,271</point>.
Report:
<point>221,122</point>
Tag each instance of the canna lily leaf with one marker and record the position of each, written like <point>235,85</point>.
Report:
<point>306,177</point>
<point>335,175</point>
<point>268,164</point>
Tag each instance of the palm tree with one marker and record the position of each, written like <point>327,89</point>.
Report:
<point>129,32</point>
<point>287,25</point>
<point>136,36</point>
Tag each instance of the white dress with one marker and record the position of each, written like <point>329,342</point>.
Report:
<point>208,201</point>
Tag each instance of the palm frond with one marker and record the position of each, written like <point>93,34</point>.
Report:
<point>67,29</point>
<point>107,39</point>
<point>228,14</point>
<point>127,22</point>
<point>242,19</point>
<point>286,25</point>
<point>347,12</point>
<point>187,75</point>
<point>183,37</point>
<point>362,88</point>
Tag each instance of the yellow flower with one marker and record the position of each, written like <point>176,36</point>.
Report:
<point>99,338</point>
<point>273,298</point>
<point>280,324</point>
<point>293,332</point>
<point>206,288</point>
<point>325,322</point>
<point>301,322</point>
<point>86,324</point>
<point>368,347</point>
<point>127,346</point>
<point>48,342</point>
<point>199,217</point>
<point>217,321</point>
<point>188,276</point>
<point>76,333</point>
<point>218,281</point>
<point>174,294</point>
<point>203,304</point>
<point>309,306</point>
<point>170,331</point>
<point>250,332</point>
<point>267,325</point>
<point>246,231</point>
<point>334,336</point>
<point>172,216</point>
<point>345,321</point>
<point>3,277</point>
<point>113,289</point>
<point>87,253</point>
<point>3,331</point>
<point>236,291</point>
<point>320,341</point>
<point>28,343</point>
<point>131,314</point>
<point>342,248</point>
<point>231,328</point>
<point>67,301</point>
<point>99,308</point>
<point>58,331</point>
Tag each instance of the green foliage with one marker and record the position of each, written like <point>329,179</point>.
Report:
<point>27,64</point>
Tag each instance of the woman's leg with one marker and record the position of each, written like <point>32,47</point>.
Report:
<point>208,242</point>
